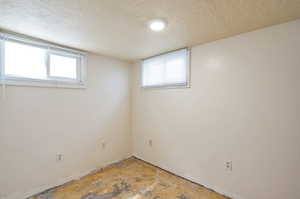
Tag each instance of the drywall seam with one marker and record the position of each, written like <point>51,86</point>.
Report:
<point>130,93</point>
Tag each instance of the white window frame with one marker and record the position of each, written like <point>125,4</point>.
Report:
<point>51,81</point>
<point>172,85</point>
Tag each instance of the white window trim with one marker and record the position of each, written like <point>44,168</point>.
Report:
<point>174,85</point>
<point>58,82</point>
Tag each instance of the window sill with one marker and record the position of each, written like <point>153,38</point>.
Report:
<point>172,86</point>
<point>43,83</point>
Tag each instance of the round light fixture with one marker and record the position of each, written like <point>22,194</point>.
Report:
<point>157,25</point>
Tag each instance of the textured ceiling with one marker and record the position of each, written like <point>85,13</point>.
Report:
<point>117,27</point>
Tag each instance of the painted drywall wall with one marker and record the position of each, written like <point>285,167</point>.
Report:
<point>243,106</point>
<point>36,124</point>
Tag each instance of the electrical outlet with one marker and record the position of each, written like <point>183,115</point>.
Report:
<point>103,145</point>
<point>228,165</point>
<point>150,143</point>
<point>59,157</point>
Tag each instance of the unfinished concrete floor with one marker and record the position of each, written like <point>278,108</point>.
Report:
<point>130,179</point>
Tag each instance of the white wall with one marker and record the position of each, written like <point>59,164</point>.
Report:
<point>243,106</point>
<point>38,123</point>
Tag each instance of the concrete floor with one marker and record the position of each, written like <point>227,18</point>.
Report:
<point>130,179</point>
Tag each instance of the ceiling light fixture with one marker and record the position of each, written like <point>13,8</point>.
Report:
<point>157,25</point>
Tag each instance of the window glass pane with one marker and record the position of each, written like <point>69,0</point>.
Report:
<point>175,71</point>
<point>24,60</point>
<point>61,66</point>
<point>153,72</point>
<point>168,69</point>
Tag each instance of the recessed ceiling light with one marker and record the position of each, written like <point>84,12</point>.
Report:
<point>157,25</point>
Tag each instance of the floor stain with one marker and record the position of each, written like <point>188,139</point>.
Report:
<point>45,195</point>
<point>182,197</point>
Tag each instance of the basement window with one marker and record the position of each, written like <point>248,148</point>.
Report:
<point>31,63</point>
<point>170,70</point>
